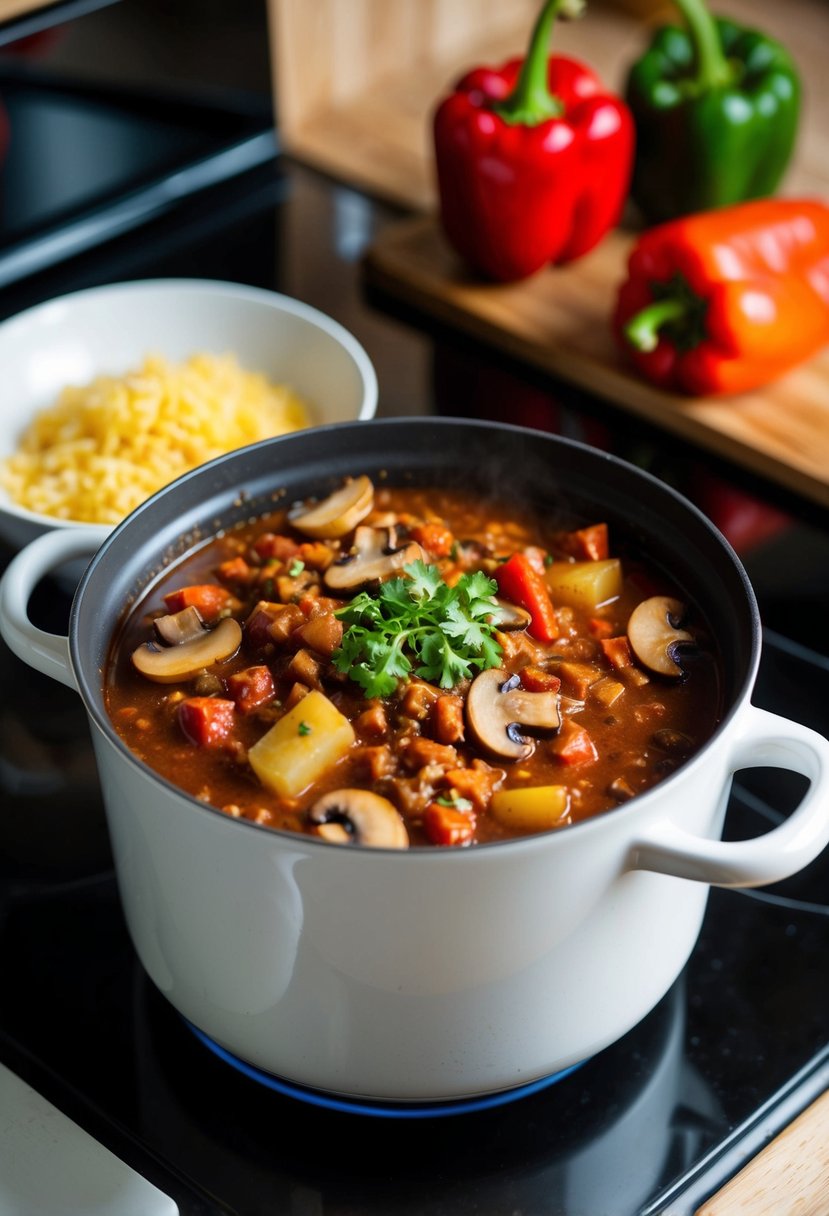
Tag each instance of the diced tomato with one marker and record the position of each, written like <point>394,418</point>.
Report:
<point>573,744</point>
<point>536,679</point>
<point>520,583</point>
<point>617,652</point>
<point>235,571</point>
<point>315,555</point>
<point>251,688</point>
<point>437,539</point>
<point>587,544</point>
<point>322,633</point>
<point>447,718</point>
<point>269,545</point>
<point>421,751</point>
<point>206,721</point>
<point>448,826</point>
<point>475,783</point>
<point>208,598</point>
<point>599,627</point>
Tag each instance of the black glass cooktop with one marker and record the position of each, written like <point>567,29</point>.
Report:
<point>652,1124</point>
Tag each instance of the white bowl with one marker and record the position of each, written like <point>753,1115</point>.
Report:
<point>111,330</point>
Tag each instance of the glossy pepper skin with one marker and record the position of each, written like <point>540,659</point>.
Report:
<point>728,300</point>
<point>533,161</point>
<point>716,108</point>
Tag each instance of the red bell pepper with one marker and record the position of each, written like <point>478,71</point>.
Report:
<point>206,721</point>
<point>727,300</point>
<point>519,582</point>
<point>209,598</point>
<point>533,160</point>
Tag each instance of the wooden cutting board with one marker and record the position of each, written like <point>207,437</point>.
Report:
<point>790,1175</point>
<point>559,321</point>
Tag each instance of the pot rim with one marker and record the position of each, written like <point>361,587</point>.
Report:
<point>91,693</point>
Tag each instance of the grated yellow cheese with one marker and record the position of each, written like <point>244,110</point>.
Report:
<point>105,447</point>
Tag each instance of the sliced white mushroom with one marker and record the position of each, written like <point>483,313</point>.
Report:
<point>497,707</point>
<point>508,617</point>
<point>654,634</point>
<point>353,816</point>
<point>337,514</point>
<point>169,664</point>
<point>178,627</point>
<point>375,555</point>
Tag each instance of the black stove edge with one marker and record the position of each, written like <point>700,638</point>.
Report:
<point>745,1142</point>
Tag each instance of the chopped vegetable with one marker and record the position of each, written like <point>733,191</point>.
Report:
<point>300,747</point>
<point>251,688</point>
<point>448,823</point>
<point>519,581</point>
<point>206,721</point>
<point>531,808</point>
<point>573,744</point>
<point>419,624</point>
<point>586,584</point>
<point>208,598</point>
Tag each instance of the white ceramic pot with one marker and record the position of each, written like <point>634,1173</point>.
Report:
<point>428,974</point>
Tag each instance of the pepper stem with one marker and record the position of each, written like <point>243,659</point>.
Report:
<point>642,330</point>
<point>531,101</point>
<point>712,65</point>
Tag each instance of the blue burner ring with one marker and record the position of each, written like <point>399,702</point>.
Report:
<point>382,1110</point>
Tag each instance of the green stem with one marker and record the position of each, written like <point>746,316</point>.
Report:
<point>712,65</point>
<point>531,101</point>
<point>642,330</point>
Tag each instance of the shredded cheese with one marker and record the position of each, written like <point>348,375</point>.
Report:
<point>105,447</point>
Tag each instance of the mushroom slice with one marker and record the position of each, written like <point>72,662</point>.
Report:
<point>374,556</point>
<point>654,634</point>
<point>352,816</point>
<point>497,707</point>
<point>169,664</point>
<point>338,513</point>
<point>508,617</point>
<point>178,627</point>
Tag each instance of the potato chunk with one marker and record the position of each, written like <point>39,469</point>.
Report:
<point>298,749</point>
<point>533,808</point>
<point>585,585</point>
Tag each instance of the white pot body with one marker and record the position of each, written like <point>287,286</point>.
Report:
<point>428,974</point>
<point>404,975</point>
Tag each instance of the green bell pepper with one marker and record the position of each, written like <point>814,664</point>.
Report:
<point>716,108</point>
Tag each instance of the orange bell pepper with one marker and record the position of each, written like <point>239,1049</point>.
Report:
<point>728,300</point>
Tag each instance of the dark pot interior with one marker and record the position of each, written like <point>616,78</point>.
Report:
<point>506,463</point>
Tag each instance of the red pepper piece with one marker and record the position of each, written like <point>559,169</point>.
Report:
<point>728,300</point>
<point>209,598</point>
<point>519,582</point>
<point>589,544</point>
<point>573,745</point>
<point>533,160</point>
<point>235,571</point>
<point>206,721</point>
<point>448,826</point>
<point>251,688</point>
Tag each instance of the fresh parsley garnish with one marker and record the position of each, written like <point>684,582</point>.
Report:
<point>418,623</point>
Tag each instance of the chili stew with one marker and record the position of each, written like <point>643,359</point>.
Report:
<point>407,666</point>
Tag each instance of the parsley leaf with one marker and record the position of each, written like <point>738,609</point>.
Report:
<point>417,622</point>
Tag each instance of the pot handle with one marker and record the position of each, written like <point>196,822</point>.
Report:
<point>46,652</point>
<point>767,741</point>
